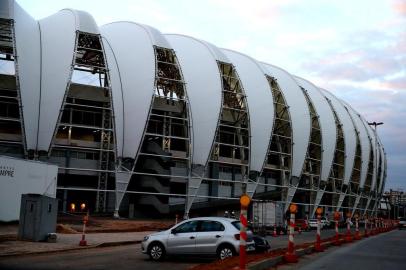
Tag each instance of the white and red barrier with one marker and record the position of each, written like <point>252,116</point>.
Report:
<point>317,246</point>
<point>290,256</point>
<point>244,201</point>
<point>348,235</point>
<point>83,241</point>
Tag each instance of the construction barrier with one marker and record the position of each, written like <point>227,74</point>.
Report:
<point>317,246</point>
<point>274,231</point>
<point>290,256</point>
<point>337,216</point>
<point>348,235</point>
<point>356,236</point>
<point>244,201</point>
<point>83,241</point>
<point>366,233</point>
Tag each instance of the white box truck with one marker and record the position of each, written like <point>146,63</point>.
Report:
<point>266,215</point>
<point>20,176</point>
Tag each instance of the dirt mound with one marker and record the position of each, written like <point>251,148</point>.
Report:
<point>66,229</point>
<point>98,224</point>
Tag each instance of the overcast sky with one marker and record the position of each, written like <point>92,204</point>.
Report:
<point>354,48</point>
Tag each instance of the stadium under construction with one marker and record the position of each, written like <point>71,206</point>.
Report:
<point>142,123</point>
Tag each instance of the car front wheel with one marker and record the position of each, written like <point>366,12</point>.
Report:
<point>156,251</point>
<point>225,251</point>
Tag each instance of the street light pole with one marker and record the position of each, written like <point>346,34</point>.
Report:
<point>375,124</point>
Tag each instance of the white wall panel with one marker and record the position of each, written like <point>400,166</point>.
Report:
<point>260,105</point>
<point>299,115</point>
<point>349,134</point>
<point>204,88</point>
<point>21,177</point>
<point>327,125</point>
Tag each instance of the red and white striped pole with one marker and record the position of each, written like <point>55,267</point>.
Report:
<point>348,235</point>
<point>290,256</point>
<point>83,241</point>
<point>356,236</point>
<point>366,233</point>
<point>274,231</point>
<point>317,246</point>
<point>244,201</point>
<point>337,216</point>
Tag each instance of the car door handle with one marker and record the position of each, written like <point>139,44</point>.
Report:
<point>218,236</point>
<point>192,237</point>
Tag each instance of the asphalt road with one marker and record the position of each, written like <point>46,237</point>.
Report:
<point>124,257</point>
<point>119,257</point>
<point>381,252</point>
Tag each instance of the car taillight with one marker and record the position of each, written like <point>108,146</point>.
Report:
<point>237,236</point>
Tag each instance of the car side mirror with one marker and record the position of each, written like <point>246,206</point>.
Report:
<point>173,231</point>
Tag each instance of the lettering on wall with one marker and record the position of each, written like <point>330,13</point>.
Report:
<point>7,171</point>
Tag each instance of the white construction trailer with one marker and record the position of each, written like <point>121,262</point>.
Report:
<point>17,177</point>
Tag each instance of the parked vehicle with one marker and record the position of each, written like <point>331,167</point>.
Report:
<point>303,224</point>
<point>313,223</point>
<point>204,236</point>
<point>402,223</point>
<point>266,215</point>
<point>261,244</point>
<point>325,222</point>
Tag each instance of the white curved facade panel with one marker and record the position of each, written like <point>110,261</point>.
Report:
<point>376,175</point>
<point>204,89</point>
<point>327,126</point>
<point>84,21</point>
<point>29,71</point>
<point>381,176</point>
<point>117,96</point>
<point>350,139</point>
<point>158,39</point>
<point>137,76</point>
<point>58,33</point>
<point>385,171</point>
<point>7,9</point>
<point>218,54</point>
<point>364,141</point>
<point>299,115</point>
<point>371,135</point>
<point>261,107</point>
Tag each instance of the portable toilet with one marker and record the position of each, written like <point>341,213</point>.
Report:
<point>37,217</point>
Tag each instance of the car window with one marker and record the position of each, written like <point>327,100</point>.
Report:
<point>236,224</point>
<point>190,226</point>
<point>210,226</point>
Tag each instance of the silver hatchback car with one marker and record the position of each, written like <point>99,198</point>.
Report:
<point>204,236</point>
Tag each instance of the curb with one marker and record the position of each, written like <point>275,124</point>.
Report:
<point>101,245</point>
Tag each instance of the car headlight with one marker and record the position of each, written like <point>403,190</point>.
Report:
<point>145,238</point>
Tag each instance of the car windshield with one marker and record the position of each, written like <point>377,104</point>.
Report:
<point>402,219</point>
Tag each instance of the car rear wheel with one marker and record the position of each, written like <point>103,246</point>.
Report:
<point>156,251</point>
<point>225,251</point>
